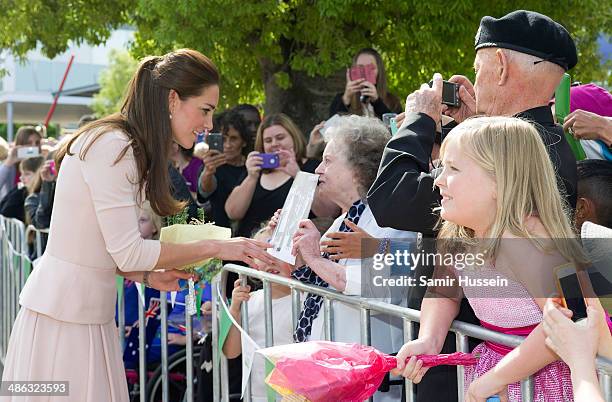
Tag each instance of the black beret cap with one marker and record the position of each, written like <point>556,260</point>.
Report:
<point>531,33</point>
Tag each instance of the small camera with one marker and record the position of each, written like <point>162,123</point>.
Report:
<point>450,93</point>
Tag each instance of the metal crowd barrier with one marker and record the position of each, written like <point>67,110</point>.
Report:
<point>15,268</point>
<point>461,330</point>
<point>142,359</point>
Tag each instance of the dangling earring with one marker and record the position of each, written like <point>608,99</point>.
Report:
<point>170,116</point>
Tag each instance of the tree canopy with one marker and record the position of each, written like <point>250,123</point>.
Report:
<point>290,53</point>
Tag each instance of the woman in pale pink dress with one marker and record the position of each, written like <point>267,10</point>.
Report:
<point>500,199</point>
<point>65,330</point>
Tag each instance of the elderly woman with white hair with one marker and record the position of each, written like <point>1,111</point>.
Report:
<point>349,166</point>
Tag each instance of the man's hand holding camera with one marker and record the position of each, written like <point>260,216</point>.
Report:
<point>427,100</point>
<point>467,107</point>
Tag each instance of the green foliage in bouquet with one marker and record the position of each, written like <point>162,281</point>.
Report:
<point>211,268</point>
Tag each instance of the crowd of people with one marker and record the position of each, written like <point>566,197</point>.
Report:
<point>496,170</point>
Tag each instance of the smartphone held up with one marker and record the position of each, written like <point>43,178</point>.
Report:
<point>365,72</point>
<point>577,287</point>
<point>215,142</point>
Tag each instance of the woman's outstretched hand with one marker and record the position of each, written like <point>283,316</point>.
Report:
<point>249,251</point>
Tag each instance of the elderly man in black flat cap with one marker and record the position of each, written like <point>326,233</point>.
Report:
<point>520,59</point>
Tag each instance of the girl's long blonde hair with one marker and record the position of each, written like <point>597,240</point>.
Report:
<point>512,152</point>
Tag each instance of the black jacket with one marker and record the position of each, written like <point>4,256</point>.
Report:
<point>11,205</point>
<point>38,206</point>
<point>402,196</point>
<point>338,107</point>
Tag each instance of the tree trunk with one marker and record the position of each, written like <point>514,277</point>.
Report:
<point>306,101</point>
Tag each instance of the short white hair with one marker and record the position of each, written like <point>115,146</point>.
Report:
<point>529,64</point>
<point>363,141</point>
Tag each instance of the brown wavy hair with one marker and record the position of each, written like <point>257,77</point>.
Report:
<point>24,133</point>
<point>144,118</point>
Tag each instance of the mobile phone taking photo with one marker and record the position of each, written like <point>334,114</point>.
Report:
<point>215,142</point>
<point>570,290</point>
<point>365,72</point>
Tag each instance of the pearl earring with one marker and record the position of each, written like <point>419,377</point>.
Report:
<point>170,116</point>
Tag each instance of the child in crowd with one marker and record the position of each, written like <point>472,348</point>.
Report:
<point>515,198</point>
<point>281,319</point>
<point>594,193</point>
<point>149,224</point>
<point>12,205</point>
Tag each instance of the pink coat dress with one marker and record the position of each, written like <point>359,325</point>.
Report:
<point>65,330</point>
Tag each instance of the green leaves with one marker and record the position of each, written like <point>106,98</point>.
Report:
<point>113,83</point>
<point>263,38</point>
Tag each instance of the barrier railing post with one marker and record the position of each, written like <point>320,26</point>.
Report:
<point>216,368</point>
<point>244,316</point>
<point>121,313</point>
<point>189,352</point>
<point>329,319</point>
<point>365,333</point>
<point>462,346</point>
<point>409,336</point>
<point>527,389</point>
<point>296,307</point>
<point>142,342</point>
<point>4,296</point>
<point>268,313</point>
<point>605,383</point>
<point>163,307</point>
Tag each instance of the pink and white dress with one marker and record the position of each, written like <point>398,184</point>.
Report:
<point>511,310</point>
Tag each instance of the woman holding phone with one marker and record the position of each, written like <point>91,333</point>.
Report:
<point>27,137</point>
<point>366,92</point>
<point>65,330</point>
<point>224,171</point>
<point>262,191</point>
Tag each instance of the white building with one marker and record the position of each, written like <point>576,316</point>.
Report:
<point>28,89</point>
